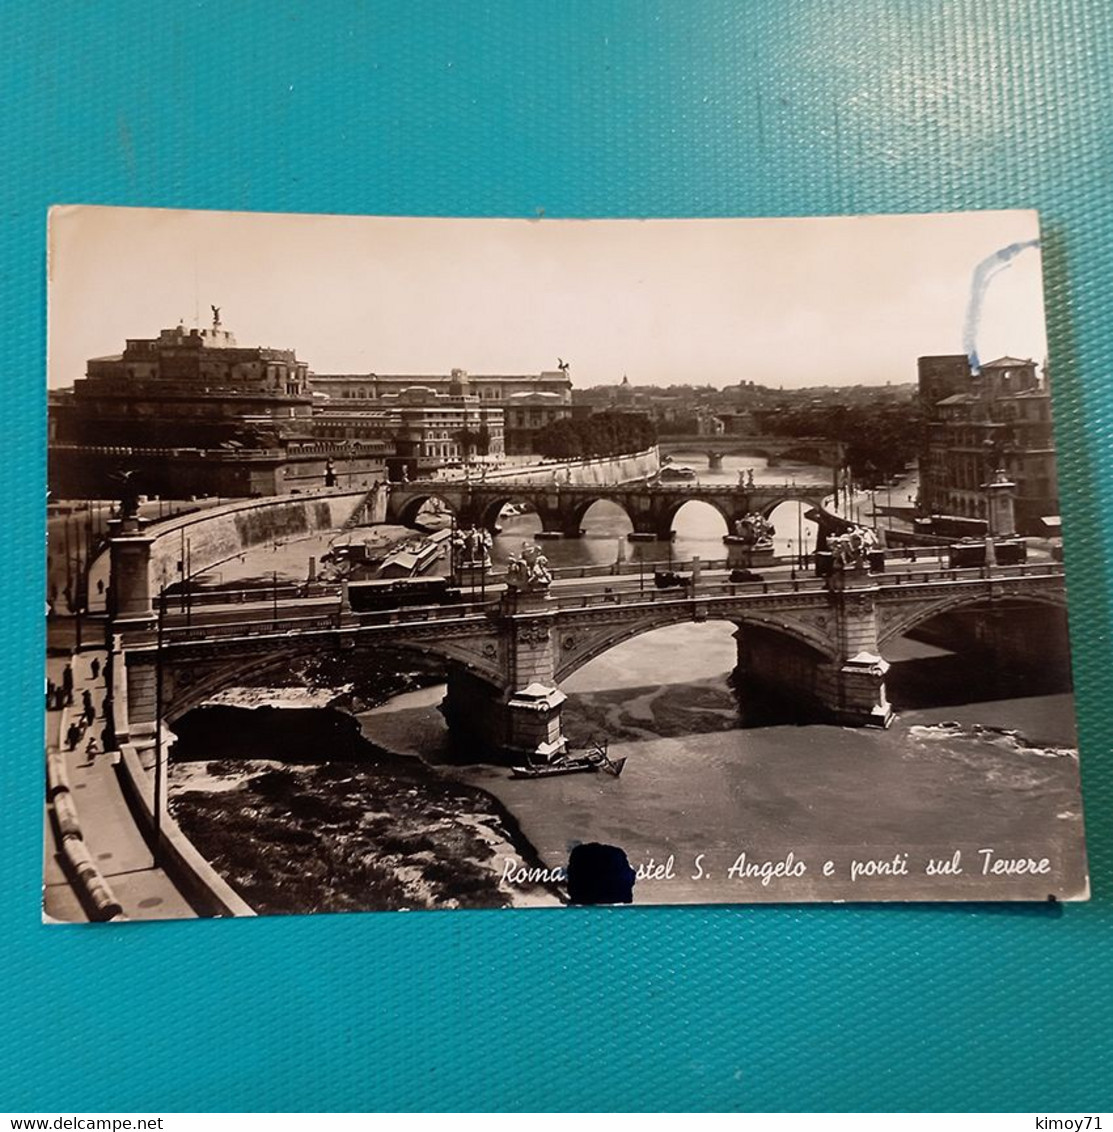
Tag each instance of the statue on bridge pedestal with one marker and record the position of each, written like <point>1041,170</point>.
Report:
<point>471,548</point>
<point>129,494</point>
<point>755,530</point>
<point>851,549</point>
<point>529,571</point>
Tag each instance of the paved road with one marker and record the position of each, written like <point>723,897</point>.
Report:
<point>109,830</point>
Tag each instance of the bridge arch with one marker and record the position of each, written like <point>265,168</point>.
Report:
<point>670,512</point>
<point>753,451</point>
<point>191,681</point>
<point>488,511</point>
<point>579,646</point>
<point>905,621</point>
<point>808,500</point>
<point>581,507</point>
<point>409,508</point>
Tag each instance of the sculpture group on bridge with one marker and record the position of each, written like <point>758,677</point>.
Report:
<point>471,548</point>
<point>529,571</point>
<point>746,478</point>
<point>128,479</point>
<point>755,530</point>
<point>851,549</point>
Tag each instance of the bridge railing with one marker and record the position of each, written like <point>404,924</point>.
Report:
<point>645,593</point>
<point>261,627</point>
<point>175,596</point>
<point>419,614</point>
<point>334,619</point>
<point>942,573</point>
<point>632,568</point>
<point>803,583</point>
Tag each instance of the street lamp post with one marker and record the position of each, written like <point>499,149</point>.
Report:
<point>799,520</point>
<point>77,598</point>
<point>157,806</point>
<point>452,550</point>
<point>182,569</point>
<point>188,581</point>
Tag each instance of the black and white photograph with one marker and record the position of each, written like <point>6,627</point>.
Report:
<point>415,563</point>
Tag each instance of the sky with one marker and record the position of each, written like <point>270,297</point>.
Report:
<point>792,302</point>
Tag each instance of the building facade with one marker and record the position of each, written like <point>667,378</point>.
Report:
<point>425,428</point>
<point>188,388</point>
<point>527,415</point>
<point>507,411</point>
<point>489,388</point>
<point>977,422</point>
<point>193,413</point>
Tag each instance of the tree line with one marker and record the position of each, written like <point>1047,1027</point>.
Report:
<point>608,433</point>
<point>878,440</point>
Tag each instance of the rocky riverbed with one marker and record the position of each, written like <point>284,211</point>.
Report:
<point>300,813</point>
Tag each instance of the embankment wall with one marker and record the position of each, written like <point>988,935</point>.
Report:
<point>598,472</point>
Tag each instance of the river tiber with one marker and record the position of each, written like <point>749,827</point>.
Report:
<point>343,642</point>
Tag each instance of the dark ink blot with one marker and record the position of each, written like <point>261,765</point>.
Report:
<point>600,874</point>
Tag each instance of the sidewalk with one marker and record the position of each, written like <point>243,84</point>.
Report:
<point>108,829</point>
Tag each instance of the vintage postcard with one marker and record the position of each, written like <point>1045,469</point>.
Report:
<point>429,563</point>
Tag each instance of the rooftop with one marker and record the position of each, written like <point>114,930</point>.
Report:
<point>1007,363</point>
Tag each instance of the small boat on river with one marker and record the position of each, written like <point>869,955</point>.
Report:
<point>590,762</point>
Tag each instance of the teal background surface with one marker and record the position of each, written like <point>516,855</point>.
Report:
<point>594,108</point>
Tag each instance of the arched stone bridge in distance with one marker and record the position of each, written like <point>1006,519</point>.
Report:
<point>561,507</point>
<point>773,449</point>
<point>821,641</point>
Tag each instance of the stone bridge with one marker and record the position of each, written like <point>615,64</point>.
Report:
<point>773,449</point>
<point>819,641</point>
<point>651,507</point>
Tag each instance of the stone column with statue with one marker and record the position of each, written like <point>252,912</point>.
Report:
<point>856,695</point>
<point>130,587</point>
<point>750,542</point>
<point>533,709</point>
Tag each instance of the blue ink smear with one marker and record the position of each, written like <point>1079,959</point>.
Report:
<point>983,275</point>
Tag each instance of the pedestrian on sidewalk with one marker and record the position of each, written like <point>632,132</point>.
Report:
<point>67,685</point>
<point>95,667</point>
<point>91,748</point>
<point>88,712</point>
<point>72,736</point>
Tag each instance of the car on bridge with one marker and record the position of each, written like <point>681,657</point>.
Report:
<point>669,579</point>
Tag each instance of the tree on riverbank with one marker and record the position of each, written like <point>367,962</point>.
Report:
<point>601,434</point>
<point>878,440</point>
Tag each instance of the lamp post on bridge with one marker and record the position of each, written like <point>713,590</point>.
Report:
<point>799,521</point>
<point>159,785</point>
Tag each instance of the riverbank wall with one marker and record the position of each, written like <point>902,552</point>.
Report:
<point>201,540</point>
<point>196,879</point>
<point>599,471</point>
